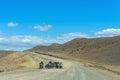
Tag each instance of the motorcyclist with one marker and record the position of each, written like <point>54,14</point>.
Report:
<point>41,65</point>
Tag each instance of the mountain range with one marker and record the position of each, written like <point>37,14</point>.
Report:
<point>102,52</point>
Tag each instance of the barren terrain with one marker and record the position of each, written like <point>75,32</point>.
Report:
<point>101,52</point>
<point>72,71</point>
<point>16,60</point>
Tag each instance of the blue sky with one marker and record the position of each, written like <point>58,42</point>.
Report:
<point>27,23</point>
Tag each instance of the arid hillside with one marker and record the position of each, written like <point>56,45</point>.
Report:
<point>103,52</point>
<point>16,60</point>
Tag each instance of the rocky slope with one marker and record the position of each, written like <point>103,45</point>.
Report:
<point>99,51</point>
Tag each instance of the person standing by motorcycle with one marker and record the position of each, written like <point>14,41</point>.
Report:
<point>41,65</point>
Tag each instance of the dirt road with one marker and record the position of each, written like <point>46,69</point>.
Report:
<point>72,71</point>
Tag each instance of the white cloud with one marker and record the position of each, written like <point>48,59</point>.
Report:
<point>18,42</point>
<point>12,24</point>
<point>69,36</point>
<point>2,39</point>
<point>43,28</point>
<point>108,32</point>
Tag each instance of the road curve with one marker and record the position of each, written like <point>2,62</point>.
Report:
<point>72,71</point>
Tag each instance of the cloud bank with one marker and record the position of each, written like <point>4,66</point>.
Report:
<point>22,42</point>
<point>19,42</point>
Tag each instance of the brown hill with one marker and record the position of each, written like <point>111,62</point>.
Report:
<point>99,51</point>
<point>5,53</point>
<point>16,60</point>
